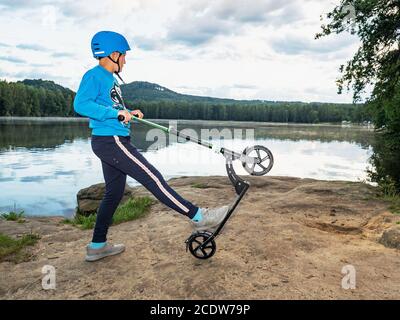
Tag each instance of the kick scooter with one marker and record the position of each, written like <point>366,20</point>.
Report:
<point>201,244</point>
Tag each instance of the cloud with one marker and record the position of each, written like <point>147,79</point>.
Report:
<point>248,12</point>
<point>40,48</point>
<point>251,49</point>
<point>148,43</point>
<point>205,20</point>
<point>22,4</point>
<point>194,32</point>
<point>294,44</point>
<point>62,55</point>
<point>12,59</point>
<point>244,86</point>
<point>81,11</point>
<point>34,47</point>
<point>36,74</point>
<point>39,65</point>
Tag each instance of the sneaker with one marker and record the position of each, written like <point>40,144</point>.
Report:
<point>107,250</point>
<point>211,218</point>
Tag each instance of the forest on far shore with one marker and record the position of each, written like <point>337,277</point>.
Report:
<point>42,98</point>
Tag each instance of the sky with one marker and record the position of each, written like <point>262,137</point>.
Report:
<point>240,49</point>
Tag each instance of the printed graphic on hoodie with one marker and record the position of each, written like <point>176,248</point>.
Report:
<point>116,97</point>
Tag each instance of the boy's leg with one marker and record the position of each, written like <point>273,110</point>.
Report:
<point>115,181</point>
<point>125,157</point>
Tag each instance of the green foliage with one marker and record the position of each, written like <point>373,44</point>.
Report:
<point>200,185</point>
<point>161,103</point>
<point>132,209</point>
<point>35,98</point>
<point>45,98</point>
<point>10,249</point>
<point>385,161</point>
<point>395,204</point>
<point>146,91</point>
<point>376,64</point>
<point>296,112</point>
<point>392,196</point>
<point>83,222</point>
<point>13,216</point>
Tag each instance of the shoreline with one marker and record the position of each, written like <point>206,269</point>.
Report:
<point>33,216</point>
<point>206,122</point>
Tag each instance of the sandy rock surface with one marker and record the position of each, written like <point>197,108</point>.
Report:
<point>289,239</point>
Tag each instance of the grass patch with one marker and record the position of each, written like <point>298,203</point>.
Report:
<point>132,209</point>
<point>389,193</point>
<point>14,216</point>
<point>83,222</point>
<point>200,185</point>
<point>11,249</point>
<point>394,205</point>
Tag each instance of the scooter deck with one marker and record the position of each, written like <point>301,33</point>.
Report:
<point>229,214</point>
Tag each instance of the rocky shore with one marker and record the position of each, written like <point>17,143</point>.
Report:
<point>289,239</point>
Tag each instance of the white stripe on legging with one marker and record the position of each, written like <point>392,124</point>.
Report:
<point>147,170</point>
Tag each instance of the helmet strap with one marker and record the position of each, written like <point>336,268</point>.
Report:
<point>117,63</point>
<point>117,73</point>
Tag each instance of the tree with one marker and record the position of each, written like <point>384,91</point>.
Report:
<point>377,61</point>
<point>376,64</point>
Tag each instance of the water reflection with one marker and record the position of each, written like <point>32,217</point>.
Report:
<point>45,163</point>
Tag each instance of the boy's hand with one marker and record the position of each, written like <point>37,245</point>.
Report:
<point>137,113</point>
<point>127,116</point>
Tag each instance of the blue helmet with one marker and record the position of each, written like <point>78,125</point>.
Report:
<point>106,42</point>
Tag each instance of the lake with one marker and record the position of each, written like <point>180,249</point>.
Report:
<point>45,162</point>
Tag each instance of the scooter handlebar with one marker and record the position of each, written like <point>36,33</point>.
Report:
<point>122,118</point>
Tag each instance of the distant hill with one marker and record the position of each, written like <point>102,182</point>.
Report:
<point>147,91</point>
<point>40,97</point>
<point>46,84</point>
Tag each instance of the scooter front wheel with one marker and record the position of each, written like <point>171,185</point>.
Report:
<point>257,160</point>
<point>198,247</point>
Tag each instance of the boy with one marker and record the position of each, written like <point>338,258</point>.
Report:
<point>99,98</point>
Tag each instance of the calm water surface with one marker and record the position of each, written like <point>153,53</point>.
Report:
<point>44,163</point>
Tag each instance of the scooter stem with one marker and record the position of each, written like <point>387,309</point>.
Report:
<point>170,130</point>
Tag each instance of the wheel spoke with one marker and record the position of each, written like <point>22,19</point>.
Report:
<point>194,247</point>
<point>264,168</point>
<point>267,157</point>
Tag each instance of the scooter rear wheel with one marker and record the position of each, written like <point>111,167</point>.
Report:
<point>195,244</point>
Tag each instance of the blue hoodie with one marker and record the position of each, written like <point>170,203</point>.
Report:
<point>99,98</point>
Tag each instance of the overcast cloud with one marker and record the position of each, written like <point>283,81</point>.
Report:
<point>260,49</point>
